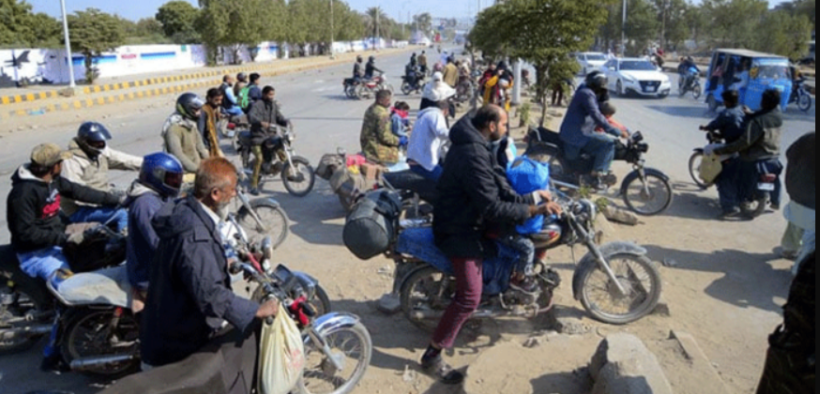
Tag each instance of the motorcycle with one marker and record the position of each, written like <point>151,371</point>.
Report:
<point>410,85</point>
<point>298,175</point>
<point>350,85</point>
<point>693,86</point>
<point>755,202</point>
<point>645,190</point>
<point>466,89</point>
<point>27,308</point>
<point>368,89</point>
<point>628,283</point>
<point>801,96</point>
<point>335,343</point>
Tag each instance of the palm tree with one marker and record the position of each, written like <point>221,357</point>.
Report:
<point>378,23</point>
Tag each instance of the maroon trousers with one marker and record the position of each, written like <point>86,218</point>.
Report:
<point>469,284</point>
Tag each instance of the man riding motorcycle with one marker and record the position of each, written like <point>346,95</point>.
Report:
<point>159,181</point>
<point>38,234</point>
<point>758,147</point>
<point>688,71</point>
<point>358,73</point>
<point>370,68</point>
<point>91,159</point>
<point>264,117</point>
<point>430,134</point>
<point>578,129</point>
<point>181,134</point>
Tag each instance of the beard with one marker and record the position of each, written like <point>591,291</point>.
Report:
<point>222,210</point>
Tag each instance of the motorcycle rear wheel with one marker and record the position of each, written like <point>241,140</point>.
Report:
<point>694,171</point>
<point>637,305</point>
<point>322,378</point>
<point>420,292</point>
<point>87,335</point>
<point>754,208</point>
<point>406,89</point>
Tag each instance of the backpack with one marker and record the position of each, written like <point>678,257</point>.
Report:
<point>245,98</point>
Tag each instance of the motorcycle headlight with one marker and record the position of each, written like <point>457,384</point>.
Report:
<point>585,209</point>
<point>290,138</point>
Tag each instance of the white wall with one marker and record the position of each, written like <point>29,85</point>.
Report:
<point>51,65</point>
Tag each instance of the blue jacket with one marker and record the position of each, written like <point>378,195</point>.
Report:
<point>190,292</point>
<point>730,124</point>
<point>582,118</point>
<point>143,203</point>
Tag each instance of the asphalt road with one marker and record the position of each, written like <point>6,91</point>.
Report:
<point>325,120</point>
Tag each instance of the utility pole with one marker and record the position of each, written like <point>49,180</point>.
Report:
<point>378,30</point>
<point>623,33</point>
<point>663,25</point>
<point>331,31</point>
<point>72,84</point>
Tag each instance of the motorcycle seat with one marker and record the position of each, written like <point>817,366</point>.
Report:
<point>108,286</point>
<point>410,181</point>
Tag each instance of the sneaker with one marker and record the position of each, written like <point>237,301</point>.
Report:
<point>442,371</point>
<point>731,213</point>
<point>255,191</point>
<point>789,254</point>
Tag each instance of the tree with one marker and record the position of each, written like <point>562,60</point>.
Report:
<point>423,22</point>
<point>378,23</point>
<point>784,34</point>
<point>516,28</point>
<point>672,15</point>
<point>20,27</point>
<point>178,19</point>
<point>47,31</point>
<point>147,27</point>
<point>734,23</point>
<point>92,33</point>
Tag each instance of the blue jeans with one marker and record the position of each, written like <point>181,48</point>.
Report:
<point>429,175</point>
<point>602,148</point>
<point>101,215</point>
<point>738,181</point>
<point>43,264</point>
<point>727,185</point>
<point>525,249</point>
<point>234,111</point>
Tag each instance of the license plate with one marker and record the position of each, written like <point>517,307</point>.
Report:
<point>768,187</point>
<point>650,89</point>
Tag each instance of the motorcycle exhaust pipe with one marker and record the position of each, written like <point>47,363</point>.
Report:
<point>28,331</point>
<point>433,315</point>
<point>80,364</point>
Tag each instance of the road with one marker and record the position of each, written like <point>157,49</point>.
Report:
<point>728,268</point>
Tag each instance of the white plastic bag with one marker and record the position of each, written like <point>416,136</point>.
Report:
<point>281,356</point>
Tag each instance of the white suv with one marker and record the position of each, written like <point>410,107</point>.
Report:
<point>590,61</point>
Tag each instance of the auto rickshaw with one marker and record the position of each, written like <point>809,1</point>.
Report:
<point>750,73</point>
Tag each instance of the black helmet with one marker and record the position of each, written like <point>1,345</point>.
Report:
<point>242,77</point>
<point>92,138</point>
<point>596,81</point>
<point>371,59</point>
<point>359,58</point>
<point>188,104</point>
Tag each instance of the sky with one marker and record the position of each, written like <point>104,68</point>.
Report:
<point>395,8</point>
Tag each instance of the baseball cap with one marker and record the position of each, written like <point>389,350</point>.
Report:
<point>47,155</point>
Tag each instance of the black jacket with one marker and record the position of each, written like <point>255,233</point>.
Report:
<point>264,111</point>
<point>370,69</point>
<point>473,196</point>
<point>33,209</point>
<point>190,291</point>
<point>357,70</point>
<point>801,175</point>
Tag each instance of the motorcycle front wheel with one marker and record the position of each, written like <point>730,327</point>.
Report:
<point>88,333</point>
<point>648,195</point>
<point>273,217</point>
<point>638,276</point>
<point>804,102</point>
<point>694,170</point>
<point>406,89</point>
<point>352,346</point>
<point>697,91</point>
<point>300,178</point>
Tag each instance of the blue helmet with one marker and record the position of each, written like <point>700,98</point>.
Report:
<point>162,173</point>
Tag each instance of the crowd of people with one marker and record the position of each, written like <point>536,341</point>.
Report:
<point>177,258</point>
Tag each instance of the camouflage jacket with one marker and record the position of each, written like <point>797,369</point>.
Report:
<point>379,144</point>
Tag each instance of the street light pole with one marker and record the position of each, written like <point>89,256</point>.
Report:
<point>331,31</point>
<point>72,84</point>
<point>623,33</point>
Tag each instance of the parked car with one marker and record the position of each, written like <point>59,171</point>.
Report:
<point>590,61</point>
<point>636,75</point>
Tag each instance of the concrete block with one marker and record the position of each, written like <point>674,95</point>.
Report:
<point>623,365</point>
<point>702,367</point>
